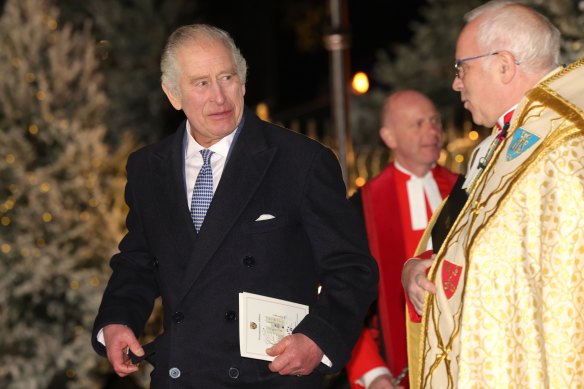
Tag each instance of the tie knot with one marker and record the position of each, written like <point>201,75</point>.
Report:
<point>206,153</point>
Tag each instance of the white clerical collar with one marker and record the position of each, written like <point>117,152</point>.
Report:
<point>402,169</point>
<point>221,148</point>
<point>419,189</point>
<point>501,120</point>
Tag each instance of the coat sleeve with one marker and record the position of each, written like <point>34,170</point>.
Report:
<point>132,288</point>
<point>347,272</point>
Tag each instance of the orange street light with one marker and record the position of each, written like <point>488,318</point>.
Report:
<point>360,83</point>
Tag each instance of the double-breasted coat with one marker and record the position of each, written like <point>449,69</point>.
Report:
<point>314,239</point>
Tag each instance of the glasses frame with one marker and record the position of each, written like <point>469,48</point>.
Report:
<point>458,62</point>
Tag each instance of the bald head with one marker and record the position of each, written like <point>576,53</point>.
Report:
<point>401,100</point>
<point>412,129</point>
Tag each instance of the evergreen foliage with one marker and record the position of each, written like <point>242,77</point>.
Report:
<point>61,205</point>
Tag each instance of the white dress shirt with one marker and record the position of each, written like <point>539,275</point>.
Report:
<point>194,160</point>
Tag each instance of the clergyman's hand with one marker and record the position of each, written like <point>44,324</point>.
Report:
<point>118,339</point>
<point>415,282</point>
<point>295,354</point>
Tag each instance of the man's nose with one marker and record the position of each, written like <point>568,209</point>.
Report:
<point>218,93</point>
<point>457,84</point>
<point>435,126</point>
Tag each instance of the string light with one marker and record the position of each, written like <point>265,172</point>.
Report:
<point>9,203</point>
<point>52,24</point>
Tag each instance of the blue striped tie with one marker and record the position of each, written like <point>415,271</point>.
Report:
<point>203,192</point>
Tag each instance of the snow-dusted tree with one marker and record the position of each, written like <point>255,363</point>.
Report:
<point>568,16</point>
<point>61,206</point>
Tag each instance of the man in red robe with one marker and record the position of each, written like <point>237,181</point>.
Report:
<point>397,205</point>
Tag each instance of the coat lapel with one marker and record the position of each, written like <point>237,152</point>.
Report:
<point>167,165</point>
<point>245,170</point>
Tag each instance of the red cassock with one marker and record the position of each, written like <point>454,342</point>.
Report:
<point>392,241</point>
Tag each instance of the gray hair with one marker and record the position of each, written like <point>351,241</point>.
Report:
<point>527,34</point>
<point>186,34</point>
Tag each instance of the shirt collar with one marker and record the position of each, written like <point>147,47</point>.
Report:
<point>221,148</point>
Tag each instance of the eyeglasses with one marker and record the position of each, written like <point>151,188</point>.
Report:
<point>458,63</point>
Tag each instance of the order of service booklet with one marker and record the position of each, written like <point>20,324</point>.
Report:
<point>264,321</point>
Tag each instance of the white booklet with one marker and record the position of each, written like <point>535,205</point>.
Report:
<point>264,321</point>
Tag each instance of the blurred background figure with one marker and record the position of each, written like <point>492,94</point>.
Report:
<point>396,206</point>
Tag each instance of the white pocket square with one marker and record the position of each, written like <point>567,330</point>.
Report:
<point>265,216</point>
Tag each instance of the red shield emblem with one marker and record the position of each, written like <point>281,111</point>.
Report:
<point>450,277</point>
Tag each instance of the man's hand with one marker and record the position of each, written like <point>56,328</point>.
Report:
<point>384,382</point>
<point>416,283</point>
<point>295,354</point>
<point>118,338</point>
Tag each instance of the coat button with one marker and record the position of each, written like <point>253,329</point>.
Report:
<point>230,315</point>
<point>155,262</point>
<point>174,373</point>
<point>178,317</point>
<point>233,373</point>
<point>249,261</point>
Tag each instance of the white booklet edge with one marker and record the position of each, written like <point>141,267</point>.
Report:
<point>264,321</point>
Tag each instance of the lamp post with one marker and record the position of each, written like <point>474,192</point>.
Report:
<point>337,43</point>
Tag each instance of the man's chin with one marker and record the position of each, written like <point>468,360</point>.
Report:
<point>476,120</point>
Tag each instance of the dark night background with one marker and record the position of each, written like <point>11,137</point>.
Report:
<point>283,42</point>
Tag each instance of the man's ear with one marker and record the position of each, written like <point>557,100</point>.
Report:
<point>174,100</point>
<point>388,137</point>
<point>507,66</point>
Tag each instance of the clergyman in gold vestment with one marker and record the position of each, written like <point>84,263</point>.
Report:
<point>506,301</point>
